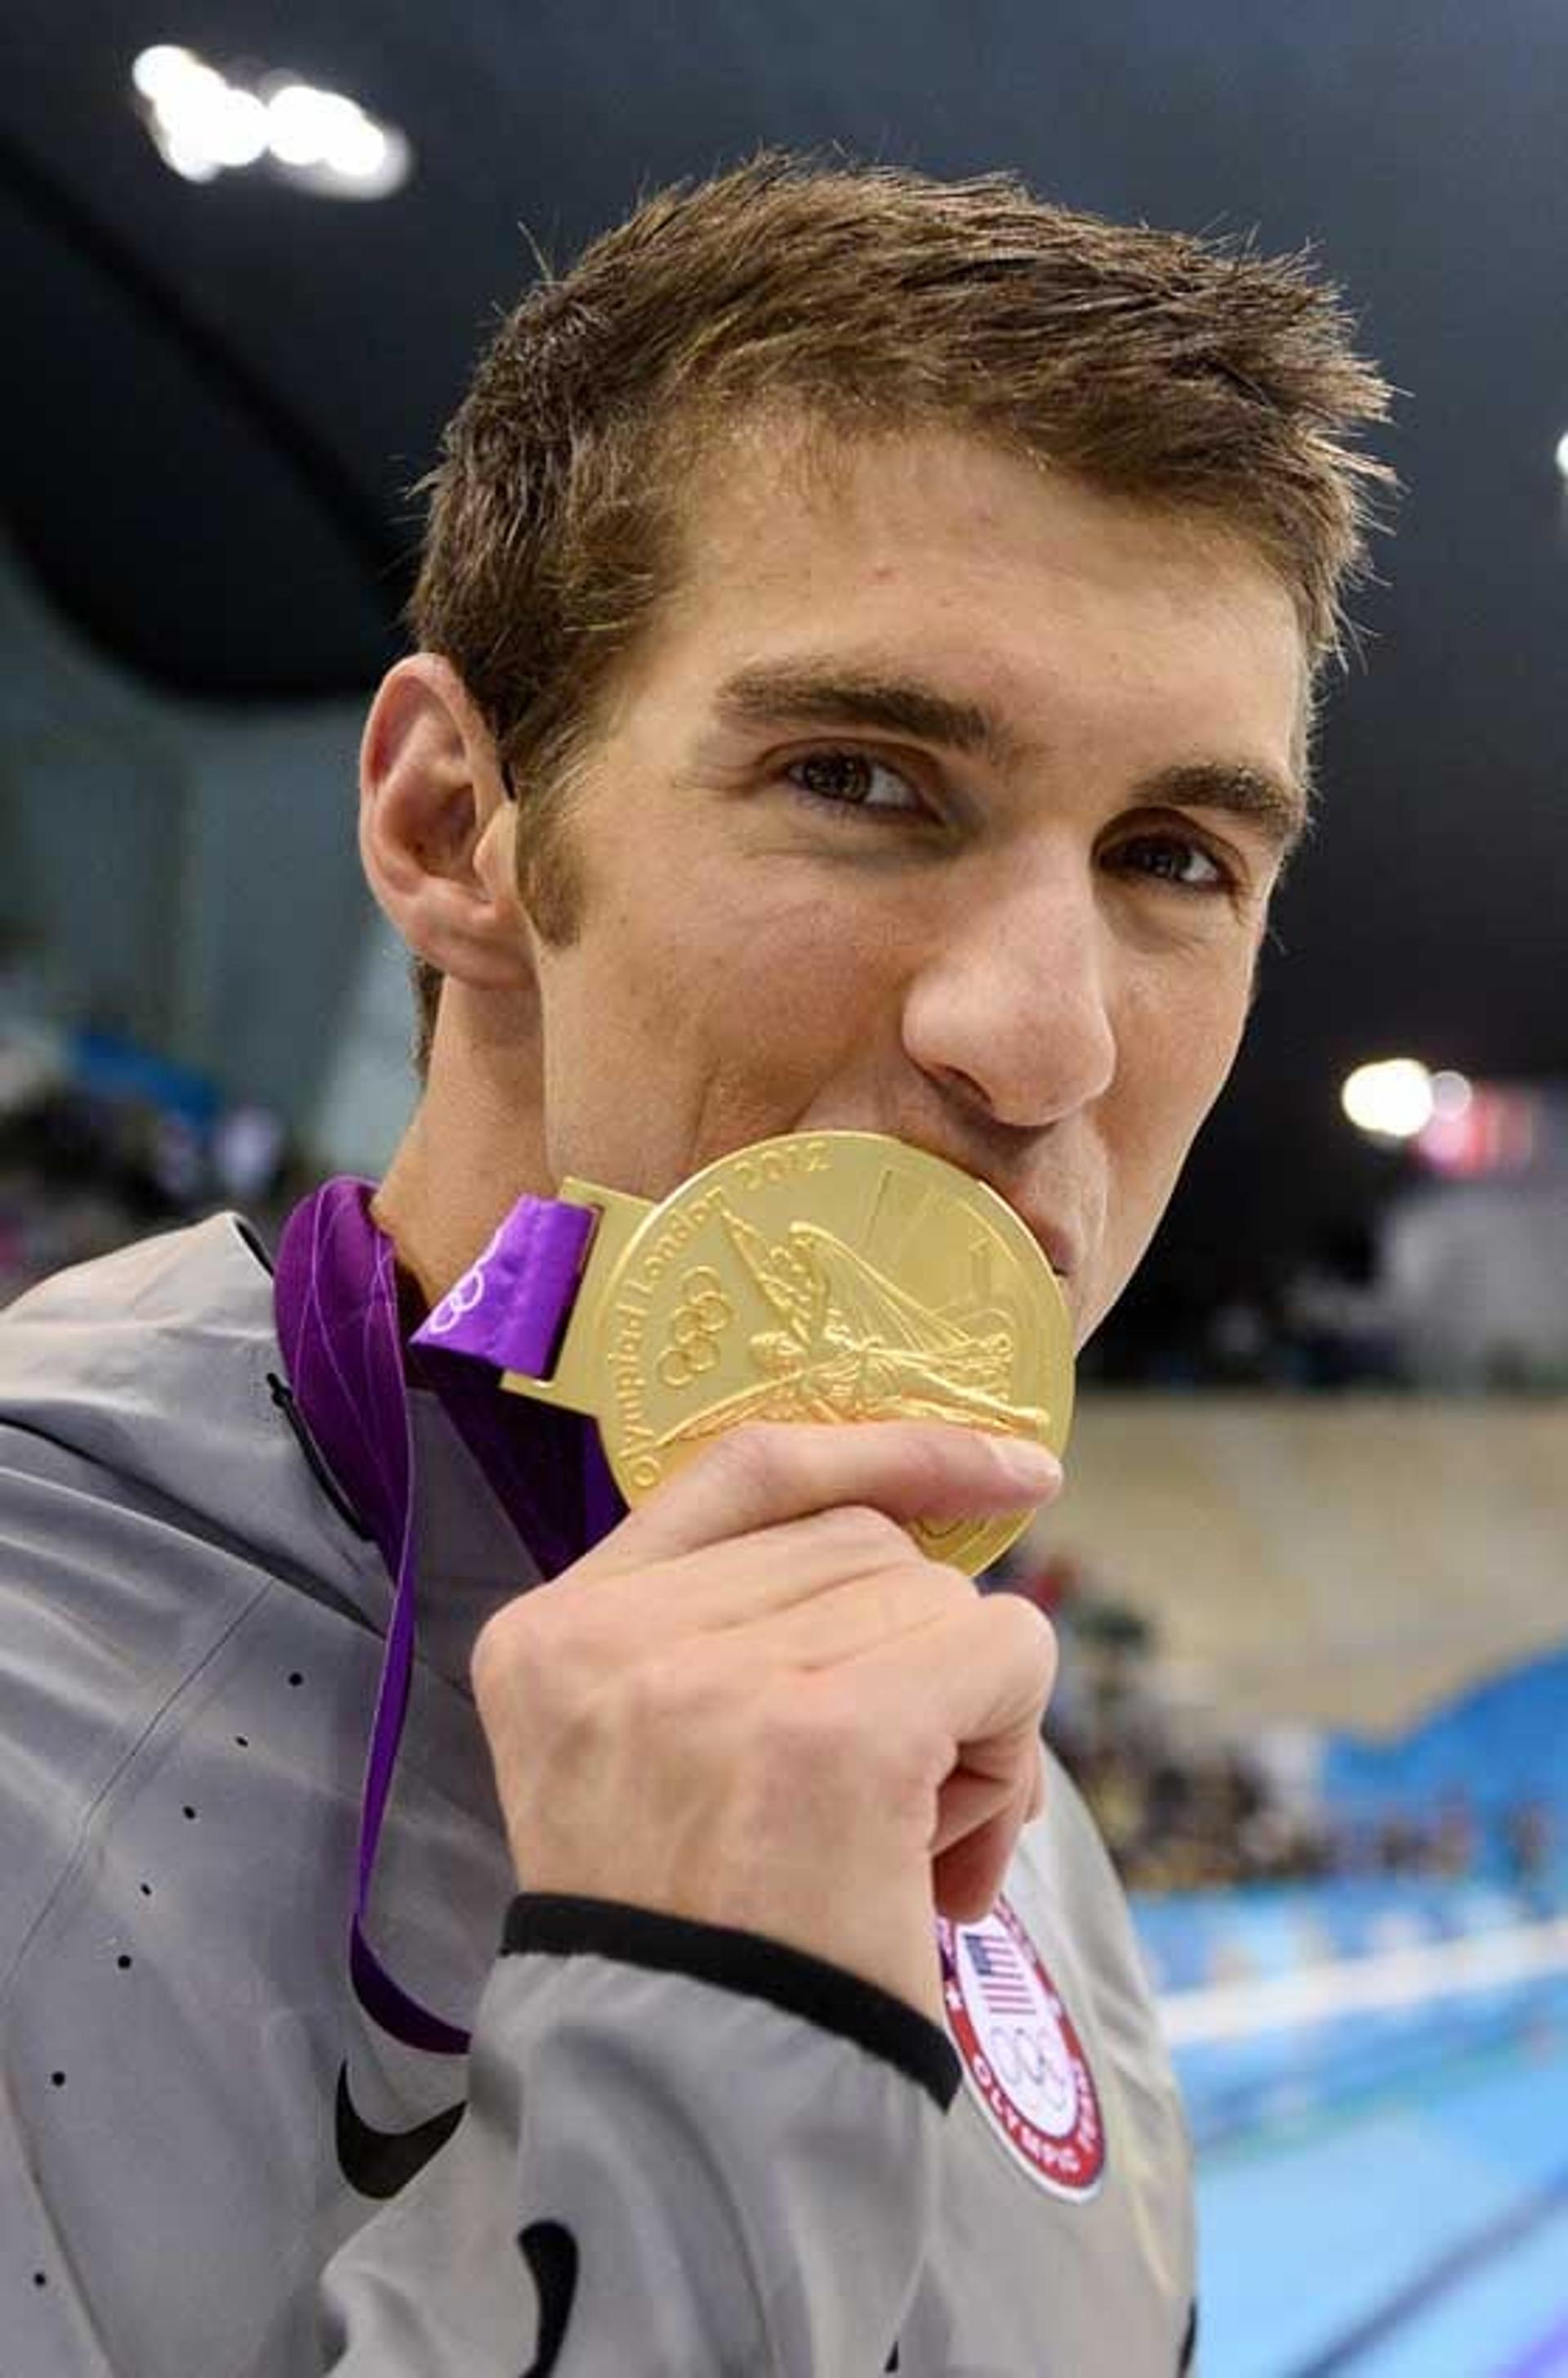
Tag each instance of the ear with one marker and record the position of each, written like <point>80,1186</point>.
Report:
<point>437,828</point>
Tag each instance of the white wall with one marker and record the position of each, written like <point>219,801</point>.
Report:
<point>1346,1560</point>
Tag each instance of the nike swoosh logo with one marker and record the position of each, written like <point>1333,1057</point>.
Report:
<point>550,2252</point>
<point>378,2163</point>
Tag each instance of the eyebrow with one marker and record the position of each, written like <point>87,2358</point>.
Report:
<point>829,695</point>
<point>832,696</point>
<point>1276,806</point>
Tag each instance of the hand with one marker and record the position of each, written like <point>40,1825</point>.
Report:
<point>758,1703</point>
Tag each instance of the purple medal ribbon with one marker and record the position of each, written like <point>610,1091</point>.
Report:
<point>338,1318</point>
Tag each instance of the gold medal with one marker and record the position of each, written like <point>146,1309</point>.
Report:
<point>824,1275</point>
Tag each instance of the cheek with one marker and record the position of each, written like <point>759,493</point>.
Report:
<point>1177,1055</point>
<point>799,973</point>
<point>731,1017</point>
<point>797,1015</point>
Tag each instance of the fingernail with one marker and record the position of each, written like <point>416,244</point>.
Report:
<point>1032,1467</point>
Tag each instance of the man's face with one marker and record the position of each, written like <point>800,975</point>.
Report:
<point>945,798</point>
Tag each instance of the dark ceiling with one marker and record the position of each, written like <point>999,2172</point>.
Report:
<point>215,396</point>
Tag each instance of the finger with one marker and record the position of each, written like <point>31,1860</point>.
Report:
<point>839,1621</point>
<point>743,1578</point>
<point>966,1878</point>
<point>762,1475</point>
<point>966,1802</point>
<point>970,1690</point>
<point>958,1707</point>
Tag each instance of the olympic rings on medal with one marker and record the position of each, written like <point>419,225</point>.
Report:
<point>696,1328</point>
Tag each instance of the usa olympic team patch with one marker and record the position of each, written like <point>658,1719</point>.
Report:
<point>1021,2053</point>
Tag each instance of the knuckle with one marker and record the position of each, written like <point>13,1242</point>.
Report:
<point>1024,1630</point>
<point>541,1652</point>
<point>935,1587</point>
<point>956,1596</point>
<point>865,1536</point>
<point>752,1455</point>
<point>495,1654</point>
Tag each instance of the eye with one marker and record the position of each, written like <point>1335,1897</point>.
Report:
<point>1177,860</point>
<point>854,781</point>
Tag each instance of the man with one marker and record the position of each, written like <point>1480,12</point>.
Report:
<point>868,630</point>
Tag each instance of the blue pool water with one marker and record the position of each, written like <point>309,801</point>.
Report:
<point>1416,2232</point>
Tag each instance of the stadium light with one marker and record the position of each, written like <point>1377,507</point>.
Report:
<point>202,124</point>
<point>1390,1100</point>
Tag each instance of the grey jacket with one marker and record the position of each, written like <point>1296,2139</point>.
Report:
<point>672,2150</point>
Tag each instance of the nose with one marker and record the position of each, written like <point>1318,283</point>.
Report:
<point>1012,1003</point>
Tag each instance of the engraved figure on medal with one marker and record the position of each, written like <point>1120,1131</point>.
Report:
<point>857,1347</point>
<point>900,1297</point>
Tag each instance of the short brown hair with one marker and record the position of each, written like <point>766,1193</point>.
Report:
<point>1156,364</point>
